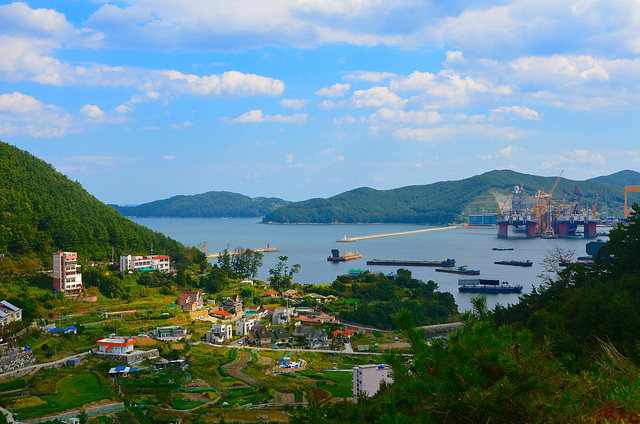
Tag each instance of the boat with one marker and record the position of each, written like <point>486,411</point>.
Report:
<point>393,262</point>
<point>478,285</point>
<point>514,263</point>
<point>460,270</point>
<point>502,248</point>
<point>582,260</point>
<point>346,256</point>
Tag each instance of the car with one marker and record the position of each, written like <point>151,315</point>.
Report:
<point>275,347</point>
<point>240,342</point>
<point>395,339</point>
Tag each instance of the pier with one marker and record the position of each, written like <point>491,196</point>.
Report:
<point>235,252</point>
<point>351,239</point>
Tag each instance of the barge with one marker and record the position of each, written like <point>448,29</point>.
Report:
<point>515,263</point>
<point>479,285</point>
<point>460,270</point>
<point>445,263</point>
<point>346,256</point>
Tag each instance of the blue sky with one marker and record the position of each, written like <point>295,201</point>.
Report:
<point>141,100</point>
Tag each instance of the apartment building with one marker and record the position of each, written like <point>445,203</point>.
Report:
<point>160,263</point>
<point>67,278</point>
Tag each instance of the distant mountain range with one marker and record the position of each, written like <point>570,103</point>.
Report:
<point>437,203</point>
<point>213,204</point>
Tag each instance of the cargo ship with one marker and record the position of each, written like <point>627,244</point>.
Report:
<point>478,285</point>
<point>393,262</point>
<point>346,256</point>
<point>460,270</point>
<point>514,263</point>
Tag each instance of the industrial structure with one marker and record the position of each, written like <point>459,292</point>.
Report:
<point>540,216</point>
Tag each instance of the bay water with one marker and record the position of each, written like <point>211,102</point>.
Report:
<point>310,244</point>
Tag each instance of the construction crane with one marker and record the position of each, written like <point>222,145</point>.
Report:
<point>595,205</point>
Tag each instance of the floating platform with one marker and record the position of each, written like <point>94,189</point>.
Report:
<point>515,263</point>
<point>478,285</point>
<point>346,256</point>
<point>460,270</point>
<point>393,262</point>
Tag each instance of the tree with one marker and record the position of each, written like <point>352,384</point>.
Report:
<point>281,275</point>
<point>246,262</point>
<point>224,262</point>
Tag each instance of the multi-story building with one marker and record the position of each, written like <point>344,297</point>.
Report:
<point>160,263</point>
<point>368,378</point>
<point>244,325</point>
<point>172,333</point>
<point>219,333</point>
<point>9,313</point>
<point>66,273</point>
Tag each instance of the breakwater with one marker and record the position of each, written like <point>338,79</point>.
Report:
<point>402,233</point>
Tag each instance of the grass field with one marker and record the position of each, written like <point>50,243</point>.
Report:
<point>56,391</point>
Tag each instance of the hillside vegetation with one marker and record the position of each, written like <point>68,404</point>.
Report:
<point>448,201</point>
<point>43,211</point>
<point>213,204</point>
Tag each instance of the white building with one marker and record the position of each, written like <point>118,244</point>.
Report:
<point>116,346</point>
<point>244,325</point>
<point>66,273</point>
<point>368,378</point>
<point>219,333</point>
<point>9,313</point>
<point>160,263</point>
<point>282,316</point>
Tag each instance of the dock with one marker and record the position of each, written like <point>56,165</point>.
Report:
<point>374,236</point>
<point>234,252</point>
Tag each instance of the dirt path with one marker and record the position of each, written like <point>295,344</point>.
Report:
<point>235,370</point>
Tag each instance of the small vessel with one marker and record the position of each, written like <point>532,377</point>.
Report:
<point>393,262</point>
<point>502,248</point>
<point>478,285</point>
<point>514,263</point>
<point>460,270</point>
<point>582,260</point>
<point>346,256</point>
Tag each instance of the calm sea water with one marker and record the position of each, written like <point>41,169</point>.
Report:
<point>309,245</point>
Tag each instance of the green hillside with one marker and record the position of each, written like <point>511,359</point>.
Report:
<point>444,202</point>
<point>43,211</point>
<point>213,204</point>
<point>622,178</point>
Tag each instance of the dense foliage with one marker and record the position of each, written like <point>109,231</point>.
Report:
<point>213,204</point>
<point>379,297</point>
<point>567,353</point>
<point>438,203</point>
<point>42,211</point>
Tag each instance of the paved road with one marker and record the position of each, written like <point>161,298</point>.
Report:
<point>31,369</point>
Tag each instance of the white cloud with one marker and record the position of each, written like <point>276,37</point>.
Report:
<point>326,151</point>
<point>181,126</point>
<point>289,163</point>
<point>418,117</point>
<point>92,111</point>
<point>19,19</point>
<point>336,90</point>
<point>514,112</point>
<point>338,159</point>
<point>451,131</point>
<point>576,158</point>
<point>256,116</point>
<point>368,76</point>
<point>293,103</point>
<point>168,157</point>
<point>23,114</point>
<point>90,163</point>
<point>374,97</point>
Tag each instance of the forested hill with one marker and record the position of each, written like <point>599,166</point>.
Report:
<point>43,211</point>
<point>622,178</point>
<point>445,202</point>
<point>213,204</point>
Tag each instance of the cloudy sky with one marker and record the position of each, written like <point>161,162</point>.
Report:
<point>140,100</point>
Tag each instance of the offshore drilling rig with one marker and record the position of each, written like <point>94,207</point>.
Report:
<point>540,216</point>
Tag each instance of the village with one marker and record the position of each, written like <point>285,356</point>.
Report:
<point>221,353</point>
